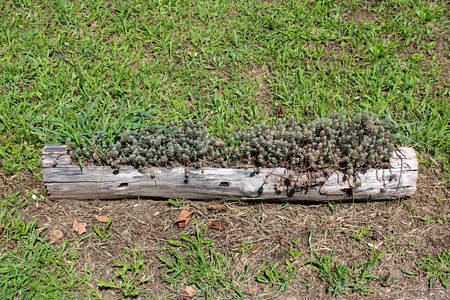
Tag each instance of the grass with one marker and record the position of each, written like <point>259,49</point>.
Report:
<point>280,275</point>
<point>89,72</point>
<point>130,277</point>
<point>200,266</point>
<point>437,268</point>
<point>32,268</point>
<point>342,278</point>
<point>75,69</point>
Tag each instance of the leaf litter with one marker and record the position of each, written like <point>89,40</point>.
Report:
<point>219,225</point>
<point>190,291</point>
<point>102,218</point>
<point>184,217</point>
<point>79,227</point>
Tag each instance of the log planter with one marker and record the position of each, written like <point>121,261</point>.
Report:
<point>66,180</point>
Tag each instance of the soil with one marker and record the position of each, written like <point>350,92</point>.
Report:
<point>407,230</point>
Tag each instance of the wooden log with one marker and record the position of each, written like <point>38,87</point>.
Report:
<point>69,181</point>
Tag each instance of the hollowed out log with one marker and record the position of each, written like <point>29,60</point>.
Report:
<point>66,180</point>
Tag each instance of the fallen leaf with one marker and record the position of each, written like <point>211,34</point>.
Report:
<point>219,225</point>
<point>256,248</point>
<point>190,291</point>
<point>55,235</point>
<point>282,240</point>
<point>202,90</point>
<point>217,207</point>
<point>280,111</point>
<point>79,227</point>
<point>102,218</point>
<point>184,217</point>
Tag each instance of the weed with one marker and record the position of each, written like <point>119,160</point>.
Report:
<point>409,274</point>
<point>31,268</point>
<point>365,231</point>
<point>129,279</point>
<point>430,220</point>
<point>200,266</point>
<point>102,232</point>
<point>437,268</point>
<point>284,205</point>
<point>277,274</point>
<point>293,252</point>
<point>427,220</point>
<point>387,280</point>
<point>344,278</point>
<point>244,249</point>
<point>176,202</point>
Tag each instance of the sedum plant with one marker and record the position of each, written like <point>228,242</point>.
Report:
<point>342,141</point>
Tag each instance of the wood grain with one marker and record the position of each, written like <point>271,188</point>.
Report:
<point>68,181</point>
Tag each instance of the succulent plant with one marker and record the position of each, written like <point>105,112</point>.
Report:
<point>341,141</point>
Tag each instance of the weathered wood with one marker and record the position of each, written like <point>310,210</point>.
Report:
<point>69,181</point>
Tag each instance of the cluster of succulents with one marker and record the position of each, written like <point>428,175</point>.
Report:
<point>342,141</point>
<point>187,144</point>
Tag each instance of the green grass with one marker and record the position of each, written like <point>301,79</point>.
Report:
<point>31,268</point>
<point>342,278</point>
<point>109,61</point>
<point>437,268</point>
<point>279,275</point>
<point>194,262</point>
<point>130,277</point>
<point>74,69</point>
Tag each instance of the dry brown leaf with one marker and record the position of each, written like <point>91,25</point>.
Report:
<point>280,111</point>
<point>102,218</point>
<point>282,240</point>
<point>202,90</point>
<point>219,225</point>
<point>256,248</point>
<point>190,291</point>
<point>56,235</point>
<point>217,207</point>
<point>184,217</point>
<point>80,228</point>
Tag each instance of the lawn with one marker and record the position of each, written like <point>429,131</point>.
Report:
<point>74,69</point>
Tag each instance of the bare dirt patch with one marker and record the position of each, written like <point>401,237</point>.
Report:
<point>261,75</point>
